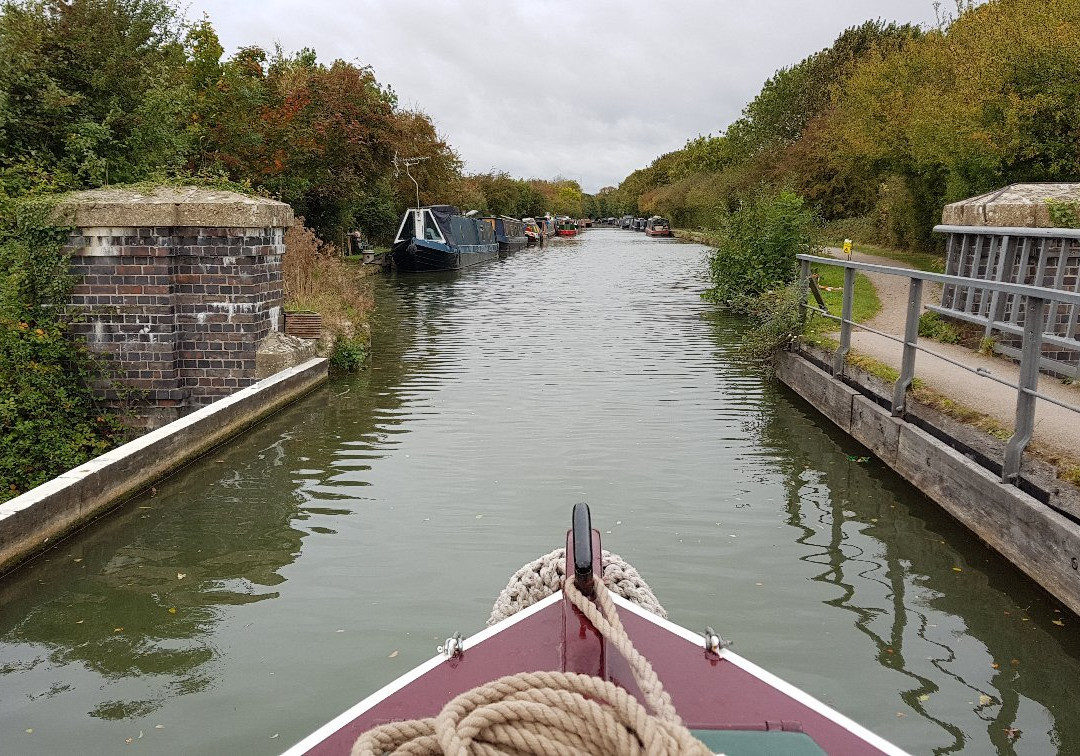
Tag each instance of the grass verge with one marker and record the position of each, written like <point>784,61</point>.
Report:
<point>830,280</point>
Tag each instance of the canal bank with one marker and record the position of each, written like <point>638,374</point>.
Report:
<point>1035,525</point>
<point>37,519</point>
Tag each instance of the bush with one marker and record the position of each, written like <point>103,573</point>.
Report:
<point>317,279</point>
<point>758,245</point>
<point>50,418</point>
<point>777,315</point>
<point>348,353</point>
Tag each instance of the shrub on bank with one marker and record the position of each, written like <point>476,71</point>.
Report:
<point>753,268</point>
<point>316,278</point>
<point>50,418</point>
<point>778,321</point>
<point>758,244</point>
<point>348,353</point>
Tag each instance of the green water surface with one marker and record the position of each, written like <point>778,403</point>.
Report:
<point>270,585</point>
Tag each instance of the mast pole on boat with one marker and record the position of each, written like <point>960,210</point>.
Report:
<point>408,162</point>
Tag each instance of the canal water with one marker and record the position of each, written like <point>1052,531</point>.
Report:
<point>270,585</point>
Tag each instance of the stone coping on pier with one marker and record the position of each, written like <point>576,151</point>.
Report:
<point>1014,206</point>
<point>171,207</point>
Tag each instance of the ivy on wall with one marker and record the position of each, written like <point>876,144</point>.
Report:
<point>51,418</point>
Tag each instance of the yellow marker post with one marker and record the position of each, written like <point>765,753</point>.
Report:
<point>847,248</point>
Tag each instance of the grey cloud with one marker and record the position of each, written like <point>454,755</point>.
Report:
<point>587,90</point>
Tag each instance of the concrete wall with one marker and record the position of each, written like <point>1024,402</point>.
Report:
<point>1016,205</point>
<point>1040,541</point>
<point>38,518</point>
<point>178,287</point>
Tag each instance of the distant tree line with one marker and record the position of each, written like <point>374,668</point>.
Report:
<point>499,194</point>
<point>882,129</point>
<point>107,92</point>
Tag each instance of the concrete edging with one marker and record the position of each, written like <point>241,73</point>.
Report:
<point>39,517</point>
<point>1035,538</point>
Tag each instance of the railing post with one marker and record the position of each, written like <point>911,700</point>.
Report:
<point>1034,312</point>
<point>804,290</point>
<point>911,336</point>
<point>1005,262</point>
<point>845,323</point>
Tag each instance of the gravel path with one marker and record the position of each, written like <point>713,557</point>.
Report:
<point>1055,427</point>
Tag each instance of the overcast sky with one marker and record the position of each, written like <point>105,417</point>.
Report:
<point>584,89</point>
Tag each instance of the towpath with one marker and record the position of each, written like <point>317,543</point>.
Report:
<point>1055,427</point>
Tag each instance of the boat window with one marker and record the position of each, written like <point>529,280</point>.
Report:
<point>431,230</point>
<point>405,230</point>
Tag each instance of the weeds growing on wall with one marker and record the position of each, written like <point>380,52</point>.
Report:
<point>1063,214</point>
<point>50,418</point>
<point>316,278</point>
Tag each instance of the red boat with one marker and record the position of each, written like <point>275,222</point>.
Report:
<point>566,227</point>
<point>657,226</point>
<point>702,697</point>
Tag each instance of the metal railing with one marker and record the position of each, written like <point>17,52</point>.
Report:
<point>1037,256</point>
<point>1035,300</point>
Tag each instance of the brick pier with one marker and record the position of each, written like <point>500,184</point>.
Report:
<point>178,286</point>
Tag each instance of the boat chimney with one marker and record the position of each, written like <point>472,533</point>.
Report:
<point>583,553</point>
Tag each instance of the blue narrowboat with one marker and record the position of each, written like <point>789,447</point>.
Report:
<point>509,232</point>
<point>439,237</point>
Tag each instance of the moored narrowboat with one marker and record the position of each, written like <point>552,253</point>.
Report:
<point>566,226</point>
<point>509,232</point>
<point>439,237</point>
<point>533,234</point>
<point>657,226</point>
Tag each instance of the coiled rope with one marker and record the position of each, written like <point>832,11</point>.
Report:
<point>549,712</point>
<point>543,576</point>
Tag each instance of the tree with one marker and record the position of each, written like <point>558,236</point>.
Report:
<point>91,91</point>
<point>322,138</point>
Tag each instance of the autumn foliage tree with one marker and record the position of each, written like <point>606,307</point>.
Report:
<point>96,92</point>
<point>321,137</point>
<point>891,122</point>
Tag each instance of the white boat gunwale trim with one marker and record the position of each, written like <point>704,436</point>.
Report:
<point>765,676</point>
<point>746,665</point>
<point>397,684</point>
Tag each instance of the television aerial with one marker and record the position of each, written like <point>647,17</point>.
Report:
<point>408,163</point>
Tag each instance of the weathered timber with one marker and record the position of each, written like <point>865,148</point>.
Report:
<point>1042,542</point>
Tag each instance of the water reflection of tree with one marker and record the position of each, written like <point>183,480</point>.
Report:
<point>140,592</point>
<point>858,505</point>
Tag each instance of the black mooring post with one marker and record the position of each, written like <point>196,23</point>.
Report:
<point>583,556</point>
